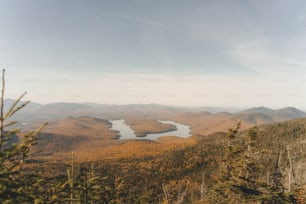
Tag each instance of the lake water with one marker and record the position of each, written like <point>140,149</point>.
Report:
<point>127,133</point>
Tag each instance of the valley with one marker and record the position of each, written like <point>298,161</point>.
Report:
<point>152,102</point>
<point>93,136</point>
<point>145,166</point>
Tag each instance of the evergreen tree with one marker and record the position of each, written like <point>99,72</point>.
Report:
<point>224,190</point>
<point>15,186</point>
<point>238,180</point>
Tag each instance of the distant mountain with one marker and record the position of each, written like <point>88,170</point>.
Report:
<point>62,105</point>
<point>66,109</point>
<point>200,120</point>
<point>257,110</point>
<point>9,102</point>
<point>265,115</point>
<point>290,113</point>
<point>204,124</point>
<point>216,109</point>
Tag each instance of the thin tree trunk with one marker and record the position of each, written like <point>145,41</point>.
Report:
<point>203,189</point>
<point>290,169</point>
<point>2,111</point>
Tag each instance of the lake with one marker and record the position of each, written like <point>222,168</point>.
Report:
<point>127,133</point>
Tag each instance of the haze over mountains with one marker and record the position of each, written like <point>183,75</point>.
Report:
<point>201,120</point>
<point>61,109</point>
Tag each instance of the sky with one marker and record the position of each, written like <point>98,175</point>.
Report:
<point>230,53</point>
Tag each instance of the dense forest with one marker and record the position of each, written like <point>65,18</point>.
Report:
<point>264,164</point>
<point>261,165</point>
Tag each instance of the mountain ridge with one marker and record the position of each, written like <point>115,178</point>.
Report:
<point>201,122</point>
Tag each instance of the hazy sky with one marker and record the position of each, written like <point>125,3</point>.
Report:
<point>175,52</point>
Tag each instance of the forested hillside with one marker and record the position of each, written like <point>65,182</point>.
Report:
<point>263,164</point>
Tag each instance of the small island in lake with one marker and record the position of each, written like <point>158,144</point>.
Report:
<point>142,127</point>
